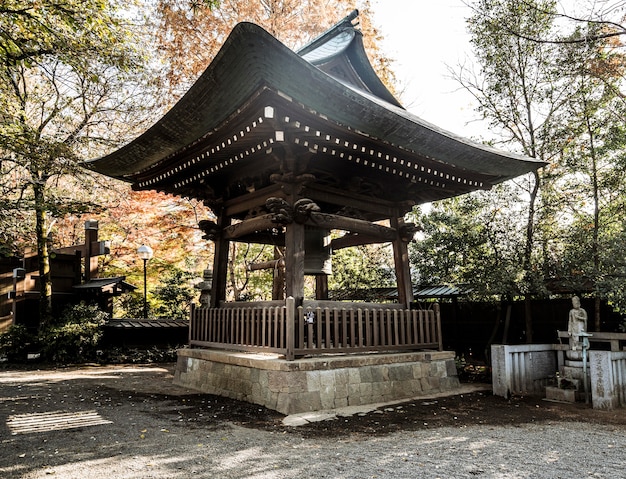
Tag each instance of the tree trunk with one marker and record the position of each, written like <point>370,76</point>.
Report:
<point>595,245</point>
<point>527,260</point>
<point>45,278</point>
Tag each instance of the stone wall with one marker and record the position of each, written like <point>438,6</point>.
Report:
<point>315,384</point>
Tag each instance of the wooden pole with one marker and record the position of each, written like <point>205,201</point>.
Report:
<point>290,328</point>
<point>401,261</point>
<point>220,264</point>
<point>294,261</point>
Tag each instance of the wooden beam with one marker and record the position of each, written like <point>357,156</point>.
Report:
<point>323,194</point>
<point>371,232</point>
<point>350,240</point>
<point>243,204</point>
<point>262,237</point>
<point>249,226</point>
<point>273,264</point>
<point>329,222</point>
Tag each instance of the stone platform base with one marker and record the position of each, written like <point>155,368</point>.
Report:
<point>315,384</point>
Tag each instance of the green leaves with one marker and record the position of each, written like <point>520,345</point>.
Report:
<point>473,239</point>
<point>69,76</point>
<point>555,97</point>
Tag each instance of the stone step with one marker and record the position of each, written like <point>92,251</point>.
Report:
<point>574,364</point>
<point>554,393</point>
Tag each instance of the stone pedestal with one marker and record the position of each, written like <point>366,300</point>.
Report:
<point>570,384</point>
<point>319,383</point>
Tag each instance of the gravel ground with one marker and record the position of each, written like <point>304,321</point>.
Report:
<point>131,422</point>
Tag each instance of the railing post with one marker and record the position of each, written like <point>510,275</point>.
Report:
<point>438,325</point>
<point>290,313</point>
<point>192,312</point>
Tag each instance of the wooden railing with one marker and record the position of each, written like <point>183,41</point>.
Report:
<point>280,327</point>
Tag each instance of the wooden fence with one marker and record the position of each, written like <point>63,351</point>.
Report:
<point>282,328</point>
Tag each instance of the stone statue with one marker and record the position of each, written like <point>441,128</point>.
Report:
<point>577,324</point>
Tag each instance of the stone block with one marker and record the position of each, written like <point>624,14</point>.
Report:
<point>313,381</point>
<point>283,403</point>
<point>327,381</point>
<point>254,375</point>
<point>435,383</point>
<point>193,364</point>
<point>380,389</point>
<point>257,394</point>
<point>217,368</point>
<point>365,389</point>
<point>341,390</point>
<point>181,364</point>
<point>341,376</point>
<point>365,373</point>
<point>573,372</point>
<point>403,389</point>
<point>326,399</point>
<point>437,369</point>
<point>604,392</point>
<point>354,376</point>
<point>568,382</point>
<point>264,379</point>
<point>242,373</point>
<point>401,372</point>
<point>275,381</point>
<point>449,383</point>
<point>303,402</point>
<point>272,400</point>
<point>354,390</point>
<point>451,368</point>
<point>500,379</point>
<point>554,393</point>
<point>379,374</point>
<point>418,370</point>
<point>296,382</point>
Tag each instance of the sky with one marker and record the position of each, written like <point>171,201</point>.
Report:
<point>425,37</point>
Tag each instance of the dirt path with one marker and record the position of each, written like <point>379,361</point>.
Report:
<point>132,422</point>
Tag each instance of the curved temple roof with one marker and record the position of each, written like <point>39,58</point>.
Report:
<point>258,96</point>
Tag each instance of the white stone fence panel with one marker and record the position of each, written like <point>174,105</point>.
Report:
<point>526,369</point>
<point>522,369</point>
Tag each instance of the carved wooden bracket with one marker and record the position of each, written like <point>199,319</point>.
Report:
<point>210,229</point>
<point>291,178</point>
<point>284,213</point>
<point>407,231</point>
<point>292,182</point>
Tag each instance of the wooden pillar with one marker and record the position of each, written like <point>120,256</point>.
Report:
<point>220,264</point>
<point>401,261</point>
<point>294,261</point>
<point>321,287</point>
<point>278,283</point>
<point>91,255</point>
